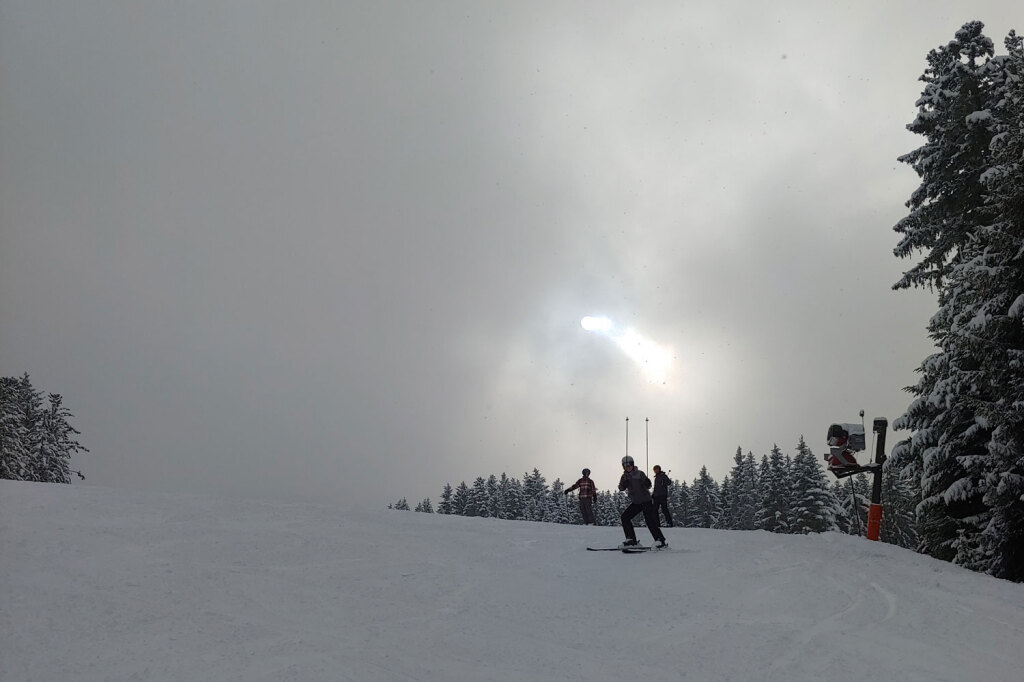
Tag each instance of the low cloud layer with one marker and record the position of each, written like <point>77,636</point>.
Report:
<point>343,252</point>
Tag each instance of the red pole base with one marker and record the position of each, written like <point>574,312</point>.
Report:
<point>874,521</point>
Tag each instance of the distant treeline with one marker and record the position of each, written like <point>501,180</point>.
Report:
<point>781,494</point>
<point>36,439</point>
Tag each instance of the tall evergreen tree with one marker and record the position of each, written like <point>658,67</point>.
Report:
<point>535,495</point>
<point>477,503</point>
<point>492,497</point>
<point>965,221</point>
<point>899,498</point>
<point>706,500</point>
<point>996,322</point>
<point>557,507</point>
<point>679,500</point>
<point>948,207</point>
<point>854,497</point>
<point>30,406</point>
<point>14,455</point>
<point>36,441</point>
<point>460,501</point>
<point>725,496</point>
<point>58,442</point>
<point>445,505</point>
<point>814,507</point>
<point>744,502</point>
<point>776,493</point>
<point>510,496</point>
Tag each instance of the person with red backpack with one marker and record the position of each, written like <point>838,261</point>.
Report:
<point>588,496</point>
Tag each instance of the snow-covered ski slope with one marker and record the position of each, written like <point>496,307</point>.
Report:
<point>105,584</point>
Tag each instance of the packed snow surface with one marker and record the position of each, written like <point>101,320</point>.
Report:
<point>103,584</point>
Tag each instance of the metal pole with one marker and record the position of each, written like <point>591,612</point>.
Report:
<point>854,506</point>
<point>647,436</point>
<point>627,435</point>
<point>875,510</point>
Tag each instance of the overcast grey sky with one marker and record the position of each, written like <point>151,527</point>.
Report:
<point>340,251</point>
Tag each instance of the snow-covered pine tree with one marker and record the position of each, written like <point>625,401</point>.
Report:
<point>609,507</point>
<point>776,491</point>
<point>814,507</point>
<point>30,412</point>
<point>445,505</point>
<point>744,501</point>
<point>947,208</point>
<point>604,508</point>
<point>854,497</point>
<point>58,442</point>
<point>950,216</point>
<point>477,504</point>
<point>679,502</point>
<point>461,499</point>
<point>899,498</point>
<point>36,441</point>
<point>993,321</point>
<point>493,500</point>
<point>14,457</point>
<point>706,500</point>
<point>510,496</point>
<point>725,494</point>
<point>558,509</point>
<point>534,494</point>
<point>620,500</point>
<point>934,469</point>
<point>753,485</point>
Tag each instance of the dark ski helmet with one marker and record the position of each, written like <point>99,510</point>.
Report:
<point>586,472</point>
<point>627,460</point>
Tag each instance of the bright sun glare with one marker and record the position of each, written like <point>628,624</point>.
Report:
<point>596,324</point>
<point>654,360</point>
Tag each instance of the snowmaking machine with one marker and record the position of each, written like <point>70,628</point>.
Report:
<point>843,441</point>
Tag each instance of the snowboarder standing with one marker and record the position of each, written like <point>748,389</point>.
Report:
<point>637,487</point>
<point>660,494</point>
<point>588,495</point>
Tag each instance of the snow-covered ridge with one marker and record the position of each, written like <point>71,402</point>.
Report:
<point>105,584</point>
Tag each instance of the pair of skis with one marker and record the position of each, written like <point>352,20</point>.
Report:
<point>628,549</point>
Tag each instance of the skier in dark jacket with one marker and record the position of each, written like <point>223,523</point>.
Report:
<point>660,494</point>
<point>588,496</point>
<point>637,487</point>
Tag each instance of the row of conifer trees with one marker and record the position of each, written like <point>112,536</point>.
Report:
<point>780,494</point>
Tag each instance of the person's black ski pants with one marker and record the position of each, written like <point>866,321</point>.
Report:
<point>650,516</point>
<point>661,505</point>
<point>587,510</point>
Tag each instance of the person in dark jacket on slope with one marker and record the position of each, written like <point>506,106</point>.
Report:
<point>588,495</point>
<point>660,494</point>
<point>637,487</point>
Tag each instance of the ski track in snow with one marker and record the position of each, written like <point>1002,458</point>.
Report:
<point>104,584</point>
<point>837,629</point>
